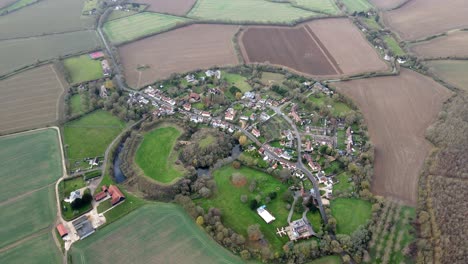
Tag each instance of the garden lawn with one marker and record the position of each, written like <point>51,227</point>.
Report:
<point>350,214</point>
<point>259,11</point>
<point>207,141</point>
<point>29,161</point>
<point>237,80</point>
<point>90,135</point>
<point>155,233</point>
<point>238,215</point>
<point>131,203</point>
<point>316,220</point>
<point>357,5</point>
<point>337,108</point>
<point>83,68</point>
<point>41,249</point>
<point>344,185</point>
<point>155,155</point>
<point>142,24</point>
<point>324,6</point>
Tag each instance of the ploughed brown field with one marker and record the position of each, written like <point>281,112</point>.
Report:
<point>4,3</point>
<point>328,47</point>
<point>178,51</point>
<point>453,45</point>
<point>398,110</point>
<point>30,99</point>
<point>422,18</point>
<point>173,7</point>
<point>388,4</point>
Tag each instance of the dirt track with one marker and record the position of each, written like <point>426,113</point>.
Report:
<point>453,45</point>
<point>422,18</point>
<point>398,111</point>
<point>178,51</point>
<point>173,7</point>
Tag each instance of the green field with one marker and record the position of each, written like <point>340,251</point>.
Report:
<point>154,156</point>
<point>260,11</point>
<point>350,214</point>
<point>357,5</point>
<point>371,23</point>
<point>27,215</point>
<point>238,215</point>
<point>131,203</point>
<point>40,249</point>
<point>327,260</point>
<point>76,108</point>
<point>156,233</point>
<point>316,220</point>
<point>28,161</point>
<point>272,78</point>
<point>17,5</point>
<point>140,25</point>
<point>90,5</point>
<point>393,45</point>
<point>90,135</point>
<point>344,186</point>
<point>337,108</point>
<point>83,68</point>
<point>324,6</point>
<point>451,71</point>
<point>237,80</point>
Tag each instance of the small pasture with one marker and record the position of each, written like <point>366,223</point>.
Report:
<point>237,214</point>
<point>142,24</point>
<point>156,233</point>
<point>90,135</point>
<point>269,78</point>
<point>337,108</point>
<point>322,6</point>
<point>155,155</point>
<point>350,214</point>
<point>357,5</point>
<point>172,7</point>
<point>75,105</point>
<point>40,249</point>
<point>393,45</point>
<point>236,80</point>
<point>83,68</point>
<point>259,11</point>
<point>453,72</point>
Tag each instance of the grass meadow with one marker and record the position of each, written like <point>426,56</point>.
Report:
<point>90,135</point>
<point>260,11</point>
<point>393,45</point>
<point>40,249</point>
<point>337,108</point>
<point>237,214</point>
<point>357,5</point>
<point>155,233</point>
<point>350,214</point>
<point>83,68</point>
<point>155,157</point>
<point>76,107</point>
<point>237,80</point>
<point>344,186</point>
<point>324,6</point>
<point>140,25</point>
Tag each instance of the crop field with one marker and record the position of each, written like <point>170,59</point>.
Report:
<point>452,45</point>
<point>324,6</point>
<point>238,215</point>
<point>41,18</point>
<point>416,19</point>
<point>350,214</point>
<point>260,11</point>
<point>41,249</point>
<point>15,6</point>
<point>30,99</point>
<point>142,24</point>
<point>89,136</point>
<point>157,233</point>
<point>296,48</point>
<point>357,5</point>
<point>181,50</point>
<point>83,68</point>
<point>397,111</point>
<point>173,7</point>
<point>28,161</point>
<point>4,3</point>
<point>388,4</point>
<point>155,155</point>
<point>18,53</point>
<point>453,72</point>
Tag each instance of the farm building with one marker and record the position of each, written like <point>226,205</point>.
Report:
<point>83,227</point>
<point>96,55</point>
<point>116,194</point>
<point>300,229</point>
<point>100,196</point>
<point>62,230</point>
<point>262,211</point>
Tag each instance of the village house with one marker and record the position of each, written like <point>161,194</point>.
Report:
<point>230,114</point>
<point>313,165</point>
<point>300,229</point>
<point>210,73</point>
<point>206,114</point>
<point>265,215</point>
<point>190,78</point>
<point>194,97</point>
<point>106,68</point>
<point>187,107</point>
<point>62,230</point>
<point>264,116</point>
<point>168,100</point>
<point>116,195</point>
<point>256,132</point>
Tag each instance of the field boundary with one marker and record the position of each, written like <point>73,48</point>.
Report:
<point>325,51</point>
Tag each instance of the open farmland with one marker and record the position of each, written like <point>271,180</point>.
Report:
<point>30,99</point>
<point>157,233</point>
<point>453,45</point>
<point>259,11</point>
<point>423,18</point>
<point>155,155</point>
<point>324,6</point>
<point>453,72</point>
<point>173,7</point>
<point>45,17</point>
<point>181,50</point>
<point>397,111</point>
<point>15,6</point>
<point>40,249</point>
<point>4,3</point>
<point>18,53</point>
<point>388,4</point>
<point>142,24</point>
<point>89,136</point>
<point>314,48</point>
<point>83,68</point>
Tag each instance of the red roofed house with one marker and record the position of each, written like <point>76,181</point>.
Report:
<point>256,132</point>
<point>194,97</point>
<point>96,55</point>
<point>100,196</point>
<point>116,194</point>
<point>62,230</point>
<point>187,107</point>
